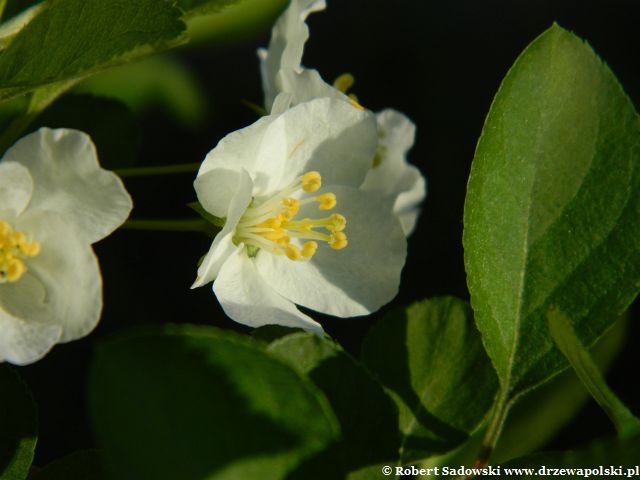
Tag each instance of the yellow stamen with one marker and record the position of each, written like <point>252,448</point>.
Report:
<point>309,249</point>
<point>292,252</point>
<point>327,201</point>
<point>338,222</point>
<point>344,82</point>
<point>292,206</point>
<point>14,250</point>
<point>353,100</point>
<point>311,181</point>
<point>270,224</point>
<point>338,241</point>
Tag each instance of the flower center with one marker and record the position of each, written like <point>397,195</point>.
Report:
<point>14,250</point>
<point>272,226</point>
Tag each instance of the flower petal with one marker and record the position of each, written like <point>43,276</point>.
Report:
<point>306,85</point>
<point>16,188</point>
<point>288,37</point>
<point>325,134</point>
<point>68,179</point>
<point>396,135</point>
<point>27,337</point>
<point>248,299</point>
<point>68,270</point>
<point>22,343</point>
<point>356,280</point>
<point>222,246</point>
<point>394,176</point>
<point>407,205</point>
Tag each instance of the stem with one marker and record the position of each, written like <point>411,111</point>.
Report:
<point>162,170</point>
<point>196,225</point>
<point>494,430</point>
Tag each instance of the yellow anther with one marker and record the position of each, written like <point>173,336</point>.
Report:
<point>344,82</point>
<point>275,235</point>
<point>309,249</point>
<point>292,206</point>
<point>15,269</point>
<point>311,181</point>
<point>327,201</point>
<point>292,252</point>
<point>14,249</point>
<point>338,222</point>
<point>338,241</point>
<point>274,222</point>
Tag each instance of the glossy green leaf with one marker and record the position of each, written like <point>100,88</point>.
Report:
<point>552,213</point>
<point>622,455</point>
<point>368,416</point>
<point>196,403</point>
<point>565,337</point>
<point>18,426</point>
<point>540,414</point>
<point>71,39</point>
<point>82,465</point>
<point>431,357</point>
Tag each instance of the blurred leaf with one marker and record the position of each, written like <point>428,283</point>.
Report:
<point>18,426</point>
<point>71,39</point>
<point>193,403</point>
<point>10,28</point>
<point>112,127</point>
<point>552,207</point>
<point>82,465</point>
<point>245,19</point>
<point>269,333</point>
<point>367,416</point>
<point>610,453</point>
<point>203,7</point>
<point>565,337</point>
<point>161,80</point>
<point>540,414</point>
<point>431,357</point>
<point>14,7</point>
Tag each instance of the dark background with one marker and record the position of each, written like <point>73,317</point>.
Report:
<point>438,62</point>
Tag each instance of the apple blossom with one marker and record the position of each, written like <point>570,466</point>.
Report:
<point>55,201</point>
<point>298,229</point>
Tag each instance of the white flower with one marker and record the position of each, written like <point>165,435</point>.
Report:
<point>277,182</point>
<point>55,201</point>
<point>284,78</point>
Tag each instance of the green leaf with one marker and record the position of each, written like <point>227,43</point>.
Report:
<point>18,426</point>
<point>202,7</point>
<point>606,454</point>
<point>115,131</point>
<point>82,465</point>
<point>243,20</point>
<point>552,213</point>
<point>161,80</point>
<point>368,416</point>
<point>431,357</point>
<point>71,39</point>
<point>541,413</point>
<point>565,337</point>
<point>192,403</point>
